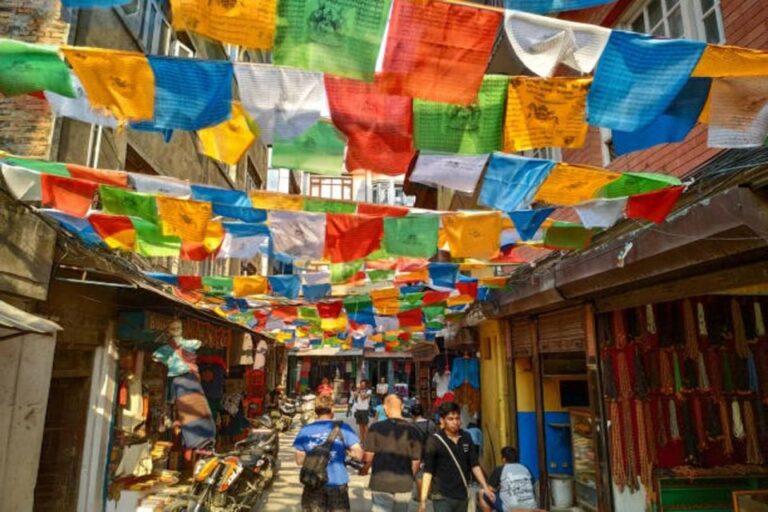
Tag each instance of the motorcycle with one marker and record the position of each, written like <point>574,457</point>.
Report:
<point>308,409</point>
<point>284,414</point>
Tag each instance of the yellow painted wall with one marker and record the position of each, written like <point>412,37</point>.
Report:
<point>494,392</point>
<point>526,402</point>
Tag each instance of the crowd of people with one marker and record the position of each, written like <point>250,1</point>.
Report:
<point>416,458</point>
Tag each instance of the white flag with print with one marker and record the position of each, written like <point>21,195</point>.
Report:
<point>23,183</point>
<point>457,172</point>
<point>739,112</point>
<point>298,234</point>
<point>148,184</point>
<point>601,213</point>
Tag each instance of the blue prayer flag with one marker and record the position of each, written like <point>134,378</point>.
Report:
<point>528,222</point>
<point>315,292</point>
<point>511,181</point>
<point>163,277</point>
<point>245,229</point>
<point>222,196</point>
<point>285,286</point>
<point>443,275</point>
<point>548,6</point>
<point>77,226</point>
<point>245,214</point>
<point>637,78</point>
<point>191,94</point>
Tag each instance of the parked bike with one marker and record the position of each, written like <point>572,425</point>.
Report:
<point>283,415</point>
<point>308,409</point>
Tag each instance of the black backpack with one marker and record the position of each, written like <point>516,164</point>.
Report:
<point>314,471</point>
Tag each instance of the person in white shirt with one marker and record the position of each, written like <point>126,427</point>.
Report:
<point>382,389</point>
<point>513,485</point>
<point>361,408</point>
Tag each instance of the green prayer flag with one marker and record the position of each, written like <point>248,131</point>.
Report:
<point>344,272</point>
<point>413,235</point>
<point>379,276</point>
<point>338,37</point>
<point>320,150</point>
<point>411,301</point>
<point>567,235</point>
<point>39,165</point>
<point>633,183</point>
<point>151,242</point>
<point>26,67</point>
<point>357,303</point>
<point>217,285</point>
<point>471,129</point>
<point>119,201</point>
<point>378,254</point>
<point>434,316</point>
<point>328,206</point>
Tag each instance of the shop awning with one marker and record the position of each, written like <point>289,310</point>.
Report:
<point>13,318</point>
<point>327,352</point>
<point>372,354</point>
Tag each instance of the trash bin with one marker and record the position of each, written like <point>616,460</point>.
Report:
<point>562,490</point>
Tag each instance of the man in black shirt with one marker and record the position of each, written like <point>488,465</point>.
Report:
<point>394,448</point>
<point>450,459</point>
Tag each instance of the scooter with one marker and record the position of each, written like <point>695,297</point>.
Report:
<point>308,409</point>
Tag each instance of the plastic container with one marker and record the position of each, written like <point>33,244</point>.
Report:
<point>562,490</point>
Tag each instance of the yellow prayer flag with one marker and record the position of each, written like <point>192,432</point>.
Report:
<point>275,201</point>
<point>460,300</point>
<point>214,236</point>
<point>720,61</point>
<point>117,81</point>
<point>569,184</point>
<point>247,23</point>
<point>121,240</point>
<point>384,294</point>
<point>229,140</point>
<point>475,235</point>
<point>185,218</point>
<point>242,286</point>
<point>334,324</point>
<point>386,307</point>
<point>546,112</point>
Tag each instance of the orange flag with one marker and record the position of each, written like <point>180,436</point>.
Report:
<point>247,23</point>
<point>199,251</point>
<point>569,184</point>
<point>352,237</point>
<point>275,201</point>
<point>228,141</point>
<point>185,218</point>
<point>103,176</point>
<point>473,235</point>
<point>69,195</point>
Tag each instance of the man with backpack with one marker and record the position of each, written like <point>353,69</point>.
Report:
<point>321,448</point>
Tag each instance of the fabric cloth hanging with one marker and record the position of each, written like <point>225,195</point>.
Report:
<point>739,112</point>
<point>465,370</point>
<point>78,107</point>
<point>457,172</point>
<point>246,23</point>
<point>511,182</point>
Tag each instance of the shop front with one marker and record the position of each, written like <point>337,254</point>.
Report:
<point>308,367</point>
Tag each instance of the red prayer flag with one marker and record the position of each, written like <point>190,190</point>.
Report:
<point>433,297</point>
<point>410,318</point>
<point>468,288</point>
<point>103,176</point>
<point>190,282</point>
<point>352,237</point>
<point>194,251</point>
<point>438,51</point>
<point>285,313</point>
<point>382,210</point>
<point>330,309</point>
<point>653,206</point>
<point>405,264</point>
<point>378,126</point>
<point>69,195</point>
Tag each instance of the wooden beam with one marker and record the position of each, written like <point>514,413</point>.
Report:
<point>541,440</point>
<point>512,439</point>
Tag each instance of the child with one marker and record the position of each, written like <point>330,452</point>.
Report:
<point>513,485</point>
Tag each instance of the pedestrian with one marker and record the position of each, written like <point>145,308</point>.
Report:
<point>382,389</point>
<point>351,400</point>
<point>450,460</point>
<point>325,388</point>
<point>513,484</point>
<point>393,450</point>
<point>426,428</point>
<point>380,412</point>
<point>362,408</point>
<point>334,496</point>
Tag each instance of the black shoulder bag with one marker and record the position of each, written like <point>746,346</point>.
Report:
<point>314,471</point>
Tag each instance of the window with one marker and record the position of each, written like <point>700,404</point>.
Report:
<point>279,180</point>
<point>330,187</point>
<point>390,192</point>
<point>155,31</point>
<point>94,145</point>
<point>692,19</point>
<point>179,49</point>
<point>554,154</point>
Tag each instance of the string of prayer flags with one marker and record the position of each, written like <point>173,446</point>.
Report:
<point>40,166</point>
<point>243,286</point>
<point>101,176</point>
<point>341,39</point>
<point>414,235</point>
<point>541,42</point>
<point>77,107</point>
<point>473,235</point>
<point>320,150</point>
<point>200,251</point>
<point>601,213</point>
<point>69,195</point>
<point>23,183</point>
<point>550,6</point>
<point>722,60</point>
<point>567,235</point>
<point>81,228</point>
<point>653,206</point>
<point>243,213</point>
<point>739,112</point>
<point>163,185</point>
<point>191,94</point>
<point>184,218</point>
<point>313,204</point>
<point>511,181</point>
<point>545,112</point>
<point>229,140</point>
<point>569,184</point>
<point>118,201</point>
<point>633,183</point>
<point>472,129</point>
<point>637,78</point>
<point>528,222</point>
<point>457,172</point>
<point>217,285</point>
<point>27,67</point>
<point>346,272</point>
<point>382,210</point>
<point>246,23</point>
<point>285,286</point>
<point>672,125</point>
<point>437,51</point>
<point>116,231</point>
<point>378,126</point>
<point>300,234</point>
<point>151,242</point>
<point>284,102</point>
<point>120,82</point>
<point>224,196</point>
<point>274,201</point>
<point>243,240</point>
<point>351,237</point>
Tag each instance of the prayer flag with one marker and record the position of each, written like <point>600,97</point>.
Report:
<point>739,112</point>
<point>69,195</point>
<point>199,251</point>
<point>284,102</point>
<point>653,206</point>
<point>118,201</point>
<point>351,237</point>
<point>117,231</point>
<point>151,242</point>
<point>378,126</point>
<point>217,285</point>
<point>722,60</point>
<point>549,6</point>
<point>315,292</point>
<point>27,67</point>
<point>633,183</point>
<point>78,107</point>
<point>528,222</point>
<point>471,129</point>
<point>102,176</point>
<point>601,213</point>
<point>285,286</point>
<point>23,183</point>
<point>637,78</point>
<point>80,227</point>
<point>163,185</point>
<point>346,272</point>
<point>242,240</point>
<point>434,317</point>
<point>330,309</point>
<point>511,182</point>
<point>542,42</point>
<point>218,195</point>
<point>331,36</point>
<point>443,275</point>
<point>246,23</point>
<point>474,235</point>
<point>242,286</point>
<point>312,204</point>
<point>316,278</point>
<point>243,213</point>
<point>380,275</point>
<point>437,51</point>
<point>229,140</point>
<point>382,210</point>
<point>545,112</point>
<point>458,172</point>
<point>410,318</point>
<point>569,184</point>
<point>191,94</point>
<point>567,235</point>
<point>298,234</point>
<point>417,276</point>
<point>40,166</point>
<point>120,82</point>
<point>276,201</point>
<point>191,283</point>
<point>184,218</point>
<point>320,150</point>
<point>414,235</point>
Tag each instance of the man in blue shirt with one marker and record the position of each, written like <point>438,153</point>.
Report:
<point>334,497</point>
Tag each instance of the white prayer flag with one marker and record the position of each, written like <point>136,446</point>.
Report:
<point>79,107</point>
<point>315,278</point>
<point>298,234</point>
<point>601,213</point>
<point>458,172</point>
<point>244,247</point>
<point>23,183</point>
<point>164,185</point>
<point>739,112</point>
